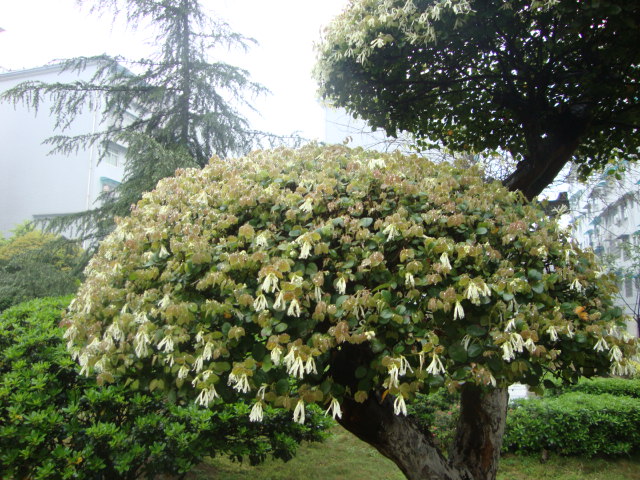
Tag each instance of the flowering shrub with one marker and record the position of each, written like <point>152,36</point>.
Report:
<point>56,424</point>
<point>245,278</point>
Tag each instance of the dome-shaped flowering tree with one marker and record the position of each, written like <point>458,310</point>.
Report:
<point>353,280</point>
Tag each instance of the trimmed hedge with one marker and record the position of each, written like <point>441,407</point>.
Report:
<point>613,386</point>
<point>575,424</point>
<point>56,424</point>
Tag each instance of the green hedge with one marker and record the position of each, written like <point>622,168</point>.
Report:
<point>613,386</point>
<point>55,424</point>
<point>575,424</point>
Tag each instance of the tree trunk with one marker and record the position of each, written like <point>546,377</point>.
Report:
<point>476,449</point>
<point>547,153</point>
<point>474,454</point>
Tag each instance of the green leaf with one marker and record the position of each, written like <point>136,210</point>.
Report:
<point>366,222</point>
<point>361,372</point>
<point>476,330</point>
<point>458,353</point>
<point>474,350</point>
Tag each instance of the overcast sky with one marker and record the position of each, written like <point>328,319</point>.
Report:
<point>40,31</point>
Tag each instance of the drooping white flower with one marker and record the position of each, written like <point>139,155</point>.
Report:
<point>207,351</point>
<point>183,372</point>
<point>294,364</point>
<point>307,206</point>
<point>261,391</point>
<point>458,311</point>
<point>409,280</point>
<point>270,283</point>
<point>553,333</point>
<point>294,308</point>
<point>621,369</point>
<point>317,292</point>
<point>341,286</point>
<point>530,345</point>
<point>511,325</point>
<point>421,359</point>
<point>280,303</point>
<point>298,412</point>
<point>404,366</point>
<point>276,354</point>
<point>465,341</point>
<point>399,407</point>
<point>393,377</point>
<point>310,365</point>
<point>163,253</point>
<point>391,231</point>
<point>261,240</point>
<point>435,367</point>
<point>507,351</point>
<point>334,409</point>
<point>207,395</point>
<point>141,344</point>
<point>444,260</point>
<point>601,345</point>
<point>577,286</point>
<point>473,293</point>
<point>256,414</point>
<point>198,364</point>
<point>305,250</point>
<point>615,354</point>
<point>570,332</point>
<point>376,163</point>
<point>166,344</point>
<point>260,303</point>
<point>240,383</point>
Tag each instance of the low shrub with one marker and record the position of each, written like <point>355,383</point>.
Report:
<point>613,386</point>
<point>56,424</point>
<point>34,264</point>
<point>575,424</point>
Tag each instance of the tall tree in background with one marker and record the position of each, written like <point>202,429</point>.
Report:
<point>548,81</point>
<point>173,110</point>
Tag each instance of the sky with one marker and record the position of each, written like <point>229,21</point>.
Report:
<point>37,32</point>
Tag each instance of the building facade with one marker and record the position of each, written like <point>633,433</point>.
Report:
<point>35,184</point>
<point>605,216</point>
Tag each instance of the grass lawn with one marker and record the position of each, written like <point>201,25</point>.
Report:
<point>342,456</point>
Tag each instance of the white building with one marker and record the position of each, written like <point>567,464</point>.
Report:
<point>605,215</point>
<point>34,184</point>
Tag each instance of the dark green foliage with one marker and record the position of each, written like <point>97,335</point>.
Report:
<point>437,414</point>
<point>575,424</point>
<point>55,424</point>
<point>612,386</point>
<point>548,81</point>
<point>33,264</point>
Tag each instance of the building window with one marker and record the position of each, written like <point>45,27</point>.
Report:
<point>624,246</point>
<point>114,154</point>
<point>628,287</point>
<point>108,186</point>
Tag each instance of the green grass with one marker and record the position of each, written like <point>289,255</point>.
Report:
<point>342,457</point>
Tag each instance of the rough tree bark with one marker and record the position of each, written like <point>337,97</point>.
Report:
<point>475,452</point>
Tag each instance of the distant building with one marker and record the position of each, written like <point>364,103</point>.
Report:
<point>35,185</point>
<point>605,216</point>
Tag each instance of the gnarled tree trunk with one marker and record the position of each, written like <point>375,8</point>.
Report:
<point>475,452</point>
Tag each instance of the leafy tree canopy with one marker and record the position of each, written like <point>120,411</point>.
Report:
<point>340,277</point>
<point>548,81</point>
